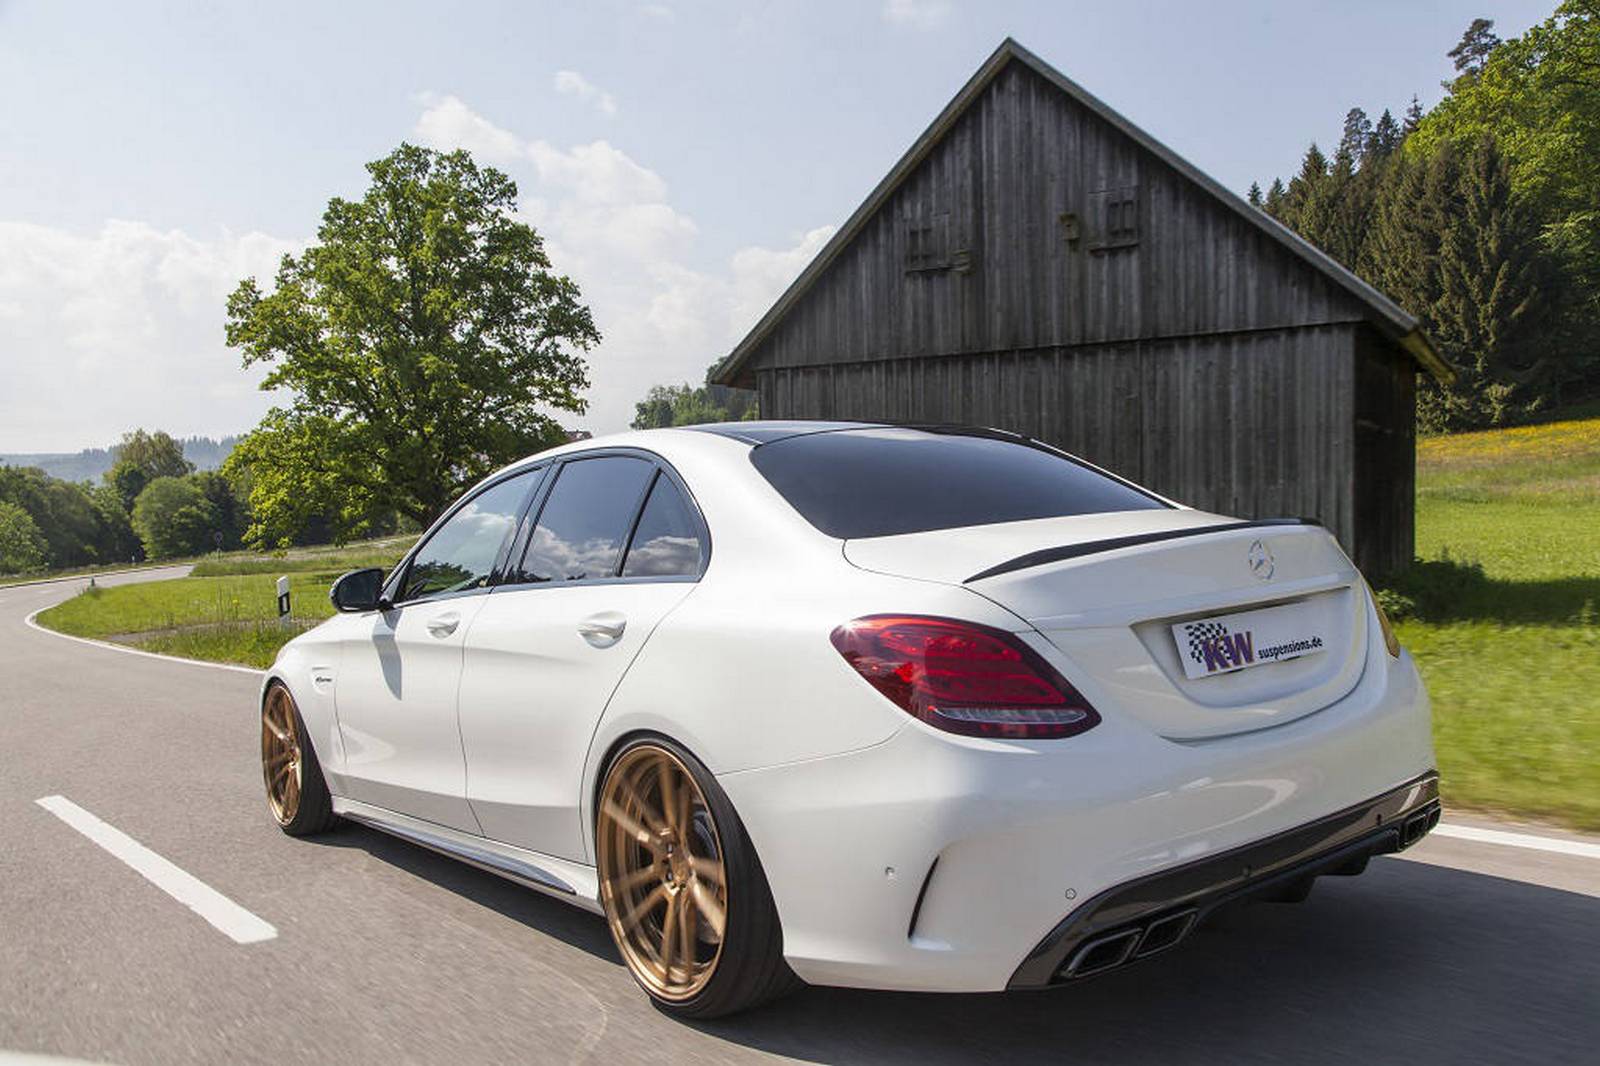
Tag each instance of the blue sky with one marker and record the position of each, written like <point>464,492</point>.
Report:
<point>684,160</point>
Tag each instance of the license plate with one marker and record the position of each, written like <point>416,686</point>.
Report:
<point>1228,642</point>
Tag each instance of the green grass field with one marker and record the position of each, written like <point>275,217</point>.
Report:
<point>1502,614</point>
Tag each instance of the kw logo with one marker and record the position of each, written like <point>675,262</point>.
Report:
<point>1228,652</point>
<point>1212,646</point>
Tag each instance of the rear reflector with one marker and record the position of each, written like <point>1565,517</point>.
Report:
<point>962,677</point>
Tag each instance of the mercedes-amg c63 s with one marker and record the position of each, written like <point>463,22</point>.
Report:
<point>854,704</point>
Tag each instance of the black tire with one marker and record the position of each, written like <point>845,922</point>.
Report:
<point>313,809</point>
<point>751,969</point>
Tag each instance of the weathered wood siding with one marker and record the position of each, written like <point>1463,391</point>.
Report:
<point>1385,471</point>
<point>994,193</point>
<point>1249,424</point>
<point>1039,270</point>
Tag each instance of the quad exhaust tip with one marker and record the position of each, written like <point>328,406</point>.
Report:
<point>1110,950</point>
<point>1418,826</point>
<point>1113,949</point>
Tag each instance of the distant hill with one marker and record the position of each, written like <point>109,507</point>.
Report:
<point>89,464</point>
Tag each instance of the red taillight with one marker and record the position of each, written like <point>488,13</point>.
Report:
<point>962,677</point>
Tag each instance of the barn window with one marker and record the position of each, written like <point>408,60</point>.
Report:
<point>1115,217</point>
<point>928,243</point>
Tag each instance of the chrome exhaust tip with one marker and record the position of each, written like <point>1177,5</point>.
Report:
<point>1164,933</point>
<point>1103,953</point>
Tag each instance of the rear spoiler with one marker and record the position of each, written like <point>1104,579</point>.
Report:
<point>1095,547</point>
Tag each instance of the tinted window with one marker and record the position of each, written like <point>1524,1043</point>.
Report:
<point>879,482</point>
<point>461,553</point>
<point>667,542</point>
<point>585,521</point>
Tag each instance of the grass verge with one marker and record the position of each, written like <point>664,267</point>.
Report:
<point>225,611</point>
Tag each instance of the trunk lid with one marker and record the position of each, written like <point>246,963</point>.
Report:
<point>1107,591</point>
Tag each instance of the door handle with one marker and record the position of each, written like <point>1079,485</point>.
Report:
<point>604,629</point>
<point>444,624</point>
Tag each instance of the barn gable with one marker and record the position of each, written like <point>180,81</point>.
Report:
<point>1038,263</point>
<point>1029,216</point>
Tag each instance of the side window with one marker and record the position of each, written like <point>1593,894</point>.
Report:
<point>667,541</point>
<point>461,553</point>
<point>584,523</point>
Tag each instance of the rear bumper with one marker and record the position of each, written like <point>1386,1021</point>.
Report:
<point>932,862</point>
<point>1151,914</point>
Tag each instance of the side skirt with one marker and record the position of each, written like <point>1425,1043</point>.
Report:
<point>573,882</point>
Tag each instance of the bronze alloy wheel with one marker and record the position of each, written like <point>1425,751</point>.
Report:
<point>281,761</point>
<point>662,876</point>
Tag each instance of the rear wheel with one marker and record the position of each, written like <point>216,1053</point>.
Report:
<point>684,895</point>
<point>297,794</point>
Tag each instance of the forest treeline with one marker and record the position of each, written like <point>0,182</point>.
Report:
<point>151,503</point>
<point>1481,216</point>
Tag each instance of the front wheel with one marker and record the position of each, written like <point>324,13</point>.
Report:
<point>684,895</point>
<point>297,795</point>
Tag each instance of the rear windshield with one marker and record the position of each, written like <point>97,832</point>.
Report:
<point>879,482</point>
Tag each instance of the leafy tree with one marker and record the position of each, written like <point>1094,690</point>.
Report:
<point>119,541</point>
<point>173,517</point>
<point>64,513</point>
<point>1538,95</point>
<point>425,338</point>
<point>140,459</point>
<point>684,405</point>
<point>22,546</point>
<point>232,509</point>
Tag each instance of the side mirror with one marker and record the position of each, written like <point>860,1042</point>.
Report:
<point>359,590</point>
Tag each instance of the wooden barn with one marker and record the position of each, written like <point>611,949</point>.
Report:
<point>1036,262</point>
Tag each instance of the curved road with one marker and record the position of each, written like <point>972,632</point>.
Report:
<point>387,953</point>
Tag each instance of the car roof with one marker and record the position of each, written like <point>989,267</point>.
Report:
<point>765,432</point>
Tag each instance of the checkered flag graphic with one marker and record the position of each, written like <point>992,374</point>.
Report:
<point>1200,634</point>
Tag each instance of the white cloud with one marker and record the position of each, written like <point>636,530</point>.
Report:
<point>658,11</point>
<point>917,14</point>
<point>609,222</point>
<point>571,83</point>
<point>123,328</point>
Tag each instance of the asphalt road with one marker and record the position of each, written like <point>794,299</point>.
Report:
<point>1461,952</point>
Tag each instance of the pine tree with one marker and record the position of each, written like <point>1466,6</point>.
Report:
<point>1274,199</point>
<point>1357,132</point>
<point>1254,196</point>
<point>1305,205</point>
<point>1401,253</point>
<point>1385,136</point>
<point>1413,118</point>
<point>1492,282</point>
<point>1472,51</point>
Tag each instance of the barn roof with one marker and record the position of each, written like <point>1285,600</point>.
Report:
<point>1388,316</point>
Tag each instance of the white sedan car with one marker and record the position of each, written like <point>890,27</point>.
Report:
<point>885,707</point>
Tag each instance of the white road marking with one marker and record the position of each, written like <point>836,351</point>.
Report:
<point>1580,848</point>
<point>207,902</point>
<point>32,623</point>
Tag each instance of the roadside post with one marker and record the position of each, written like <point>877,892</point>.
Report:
<point>283,600</point>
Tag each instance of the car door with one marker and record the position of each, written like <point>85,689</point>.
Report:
<point>616,544</point>
<point>399,672</point>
